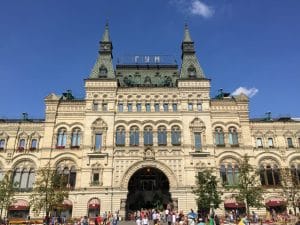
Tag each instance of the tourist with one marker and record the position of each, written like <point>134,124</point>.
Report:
<point>145,220</point>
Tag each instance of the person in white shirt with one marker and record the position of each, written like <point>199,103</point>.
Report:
<point>145,221</point>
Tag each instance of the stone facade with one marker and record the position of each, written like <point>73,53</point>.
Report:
<point>81,136</point>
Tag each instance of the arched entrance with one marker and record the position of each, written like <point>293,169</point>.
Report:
<point>148,188</point>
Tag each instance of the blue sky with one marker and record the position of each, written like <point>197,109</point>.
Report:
<point>51,45</point>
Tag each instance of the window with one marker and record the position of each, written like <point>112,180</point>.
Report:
<point>270,143</point>
<point>162,135</point>
<point>98,142</point>
<point>192,72</point>
<point>33,144</point>
<point>295,172</point>
<point>21,144</point>
<point>102,71</point>
<point>1,174</point>
<point>134,136</point>
<point>198,144</point>
<point>148,136</point>
<point>95,106</point>
<point>120,136</point>
<point>190,106</point>
<point>166,107</point>
<point>120,107</point>
<point>24,178</point>
<point>156,107</point>
<point>148,109</point>
<point>259,143</point>
<point>68,176</point>
<point>233,137</point>
<point>95,177</point>
<point>269,175</point>
<point>61,138</point>
<point>129,107</point>
<point>290,142</point>
<point>104,107</point>
<point>2,144</point>
<point>175,135</point>
<point>75,141</point>
<point>174,106</point>
<point>199,107</point>
<point>138,107</point>
<point>298,142</point>
<point>229,174</point>
<point>219,136</point>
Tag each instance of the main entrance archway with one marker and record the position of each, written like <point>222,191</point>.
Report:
<point>148,188</point>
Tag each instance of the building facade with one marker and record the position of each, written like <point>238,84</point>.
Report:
<point>141,134</point>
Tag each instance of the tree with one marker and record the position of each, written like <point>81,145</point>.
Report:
<point>7,192</point>
<point>249,189</point>
<point>49,191</point>
<point>207,192</point>
<point>290,187</point>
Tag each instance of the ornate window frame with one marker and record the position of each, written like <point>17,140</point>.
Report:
<point>99,127</point>
<point>197,126</point>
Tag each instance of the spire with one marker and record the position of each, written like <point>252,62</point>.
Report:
<point>187,36</point>
<point>103,67</point>
<point>190,67</point>
<point>105,37</point>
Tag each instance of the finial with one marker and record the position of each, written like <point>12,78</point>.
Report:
<point>105,37</point>
<point>187,36</point>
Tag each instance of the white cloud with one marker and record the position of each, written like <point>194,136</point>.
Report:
<point>249,92</point>
<point>200,9</point>
<point>193,7</point>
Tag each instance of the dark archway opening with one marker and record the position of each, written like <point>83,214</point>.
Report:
<point>148,188</point>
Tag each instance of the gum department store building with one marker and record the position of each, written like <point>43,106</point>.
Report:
<point>140,135</point>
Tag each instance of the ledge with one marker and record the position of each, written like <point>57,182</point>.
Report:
<point>199,154</point>
<point>97,155</point>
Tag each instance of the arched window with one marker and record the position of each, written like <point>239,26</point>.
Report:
<point>61,138</point>
<point>22,143</point>
<point>2,144</point>
<point>175,135</point>
<point>120,136</point>
<point>33,144</point>
<point>192,71</point>
<point>233,136</point>
<point>76,138</point>
<point>295,172</point>
<point>67,176</point>
<point>148,136</point>
<point>229,174</point>
<point>269,175</point>
<point>24,178</point>
<point>134,136</point>
<point>162,135</point>
<point>219,136</point>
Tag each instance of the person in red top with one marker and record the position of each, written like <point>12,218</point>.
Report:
<point>98,220</point>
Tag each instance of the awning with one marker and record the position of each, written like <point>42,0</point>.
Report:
<point>233,204</point>
<point>275,202</point>
<point>94,203</point>
<point>19,205</point>
<point>67,203</point>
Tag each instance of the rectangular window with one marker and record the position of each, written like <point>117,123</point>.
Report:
<point>96,177</point>
<point>95,106</point>
<point>129,107</point>
<point>174,107</point>
<point>138,107</point>
<point>120,107</point>
<point>104,107</point>
<point>2,143</point>
<point>198,145</point>
<point>98,142</point>
<point>290,142</point>
<point>148,109</point>
<point>259,143</point>
<point>33,144</point>
<point>270,143</point>
<point>166,107</point>
<point>21,144</point>
<point>190,106</point>
<point>156,107</point>
<point>199,107</point>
